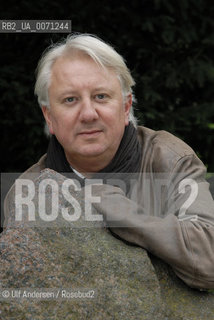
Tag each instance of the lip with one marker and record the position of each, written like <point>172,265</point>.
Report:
<point>90,133</point>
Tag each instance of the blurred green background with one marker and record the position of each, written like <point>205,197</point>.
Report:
<point>168,46</point>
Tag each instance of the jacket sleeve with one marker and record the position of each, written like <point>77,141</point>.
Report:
<point>182,235</point>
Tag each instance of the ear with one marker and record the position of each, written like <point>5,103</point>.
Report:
<point>47,115</point>
<point>128,105</point>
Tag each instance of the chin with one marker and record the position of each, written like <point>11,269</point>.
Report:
<point>92,151</point>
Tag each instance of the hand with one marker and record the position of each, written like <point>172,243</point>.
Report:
<point>111,202</point>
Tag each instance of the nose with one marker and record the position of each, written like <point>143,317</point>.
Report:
<point>88,112</point>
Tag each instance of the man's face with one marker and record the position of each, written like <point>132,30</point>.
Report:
<point>87,112</point>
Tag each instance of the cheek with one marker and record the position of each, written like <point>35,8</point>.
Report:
<point>61,120</point>
<point>64,127</point>
<point>114,113</point>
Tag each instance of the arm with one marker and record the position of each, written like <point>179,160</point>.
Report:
<point>186,244</point>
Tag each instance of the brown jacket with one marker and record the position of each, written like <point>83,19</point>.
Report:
<point>181,232</point>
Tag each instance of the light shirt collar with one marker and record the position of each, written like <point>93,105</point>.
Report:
<point>78,173</point>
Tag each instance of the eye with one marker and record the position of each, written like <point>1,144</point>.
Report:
<point>101,96</point>
<point>70,99</point>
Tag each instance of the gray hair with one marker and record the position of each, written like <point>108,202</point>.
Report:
<point>101,52</point>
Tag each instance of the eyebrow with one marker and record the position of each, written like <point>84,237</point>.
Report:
<point>104,89</point>
<point>68,92</point>
<point>73,92</point>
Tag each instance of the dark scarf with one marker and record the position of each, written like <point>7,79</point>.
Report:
<point>125,164</point>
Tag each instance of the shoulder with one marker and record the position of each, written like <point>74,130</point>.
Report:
<point>38,166</point>
<point>34,169</point>
<point>162,149</point>
<point>165,140</point>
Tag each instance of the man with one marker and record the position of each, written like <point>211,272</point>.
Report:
<point>84,90</point>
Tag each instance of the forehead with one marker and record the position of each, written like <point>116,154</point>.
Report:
<point>81,68</point>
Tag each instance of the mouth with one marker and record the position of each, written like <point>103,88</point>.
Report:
<point>90,133</point>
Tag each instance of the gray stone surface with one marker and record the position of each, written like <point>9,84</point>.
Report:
<point>128,284</point>
<point>182,301</point>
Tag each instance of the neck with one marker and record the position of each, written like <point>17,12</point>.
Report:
<point>88,165</point>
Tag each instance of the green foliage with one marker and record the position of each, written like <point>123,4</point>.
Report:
<point>168,46</point>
